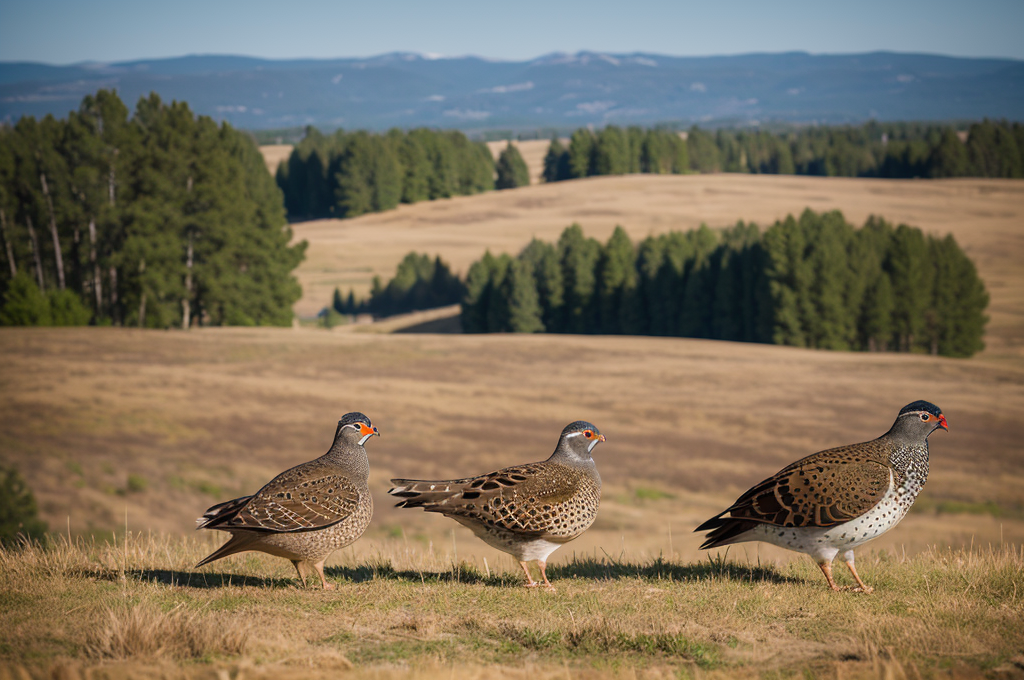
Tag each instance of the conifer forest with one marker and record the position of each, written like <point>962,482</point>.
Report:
<point>813,281</point>
<point>154,220</point>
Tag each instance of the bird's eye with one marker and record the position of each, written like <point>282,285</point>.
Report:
<point>925,417</point>
<point>588,434</point>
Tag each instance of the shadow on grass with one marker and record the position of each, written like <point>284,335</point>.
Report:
<point>461,573</point>
<point>715,567</point>
<point>202,579</point>
<point>595,569</point>
<point>598,569</point>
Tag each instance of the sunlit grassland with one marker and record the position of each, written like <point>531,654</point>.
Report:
<point>133,605</point>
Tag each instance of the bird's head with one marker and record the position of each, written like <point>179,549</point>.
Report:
<point>919,419</point>
<point>355,428</point>
<point>580,438</point>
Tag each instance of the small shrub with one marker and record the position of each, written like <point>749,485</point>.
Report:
<point>67,309</point>
<point>137,483</point>
<point>18,509</point>
<point>24,304</point>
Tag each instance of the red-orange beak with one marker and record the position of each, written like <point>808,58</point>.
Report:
<point>365,429</point>
<point>601,438</point>
<point>942,423</point>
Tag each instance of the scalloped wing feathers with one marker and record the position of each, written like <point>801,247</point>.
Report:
<point>297,500</point>
<point>543,500</point>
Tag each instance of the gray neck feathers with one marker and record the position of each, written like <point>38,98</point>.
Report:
<point>573,454</point>
<point>352,457</point>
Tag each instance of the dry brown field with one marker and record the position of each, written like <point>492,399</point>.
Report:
<point>203,415</point>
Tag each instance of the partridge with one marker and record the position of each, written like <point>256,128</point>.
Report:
<point>835,500</point>
<point>527,511</point>
<point>305,513</point>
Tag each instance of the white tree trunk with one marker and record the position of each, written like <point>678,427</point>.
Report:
<point>35,253</point>
<point>142,302</point>
<point>53,232</point>
<point>97,281</point>
<point>7,244</point>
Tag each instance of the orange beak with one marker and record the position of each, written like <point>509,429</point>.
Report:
<point>365,429</point>
<point>942,423</point>
<point>601,438</point>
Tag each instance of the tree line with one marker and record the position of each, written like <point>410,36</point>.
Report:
<point>420,282</point>
<point>346,174</point>
<point>891,150</point>
<point>162,218</point>
<point>813,281</point>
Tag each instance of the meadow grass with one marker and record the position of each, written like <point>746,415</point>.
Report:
<point>133,605</point>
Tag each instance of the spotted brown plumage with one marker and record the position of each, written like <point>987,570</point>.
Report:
<point>527,511</point>
<point>307,512</point>
<point>838,499</point>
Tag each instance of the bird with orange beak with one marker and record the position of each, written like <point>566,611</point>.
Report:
<point>528,511</point>
<point>307,512</point>
<point>835,500</point>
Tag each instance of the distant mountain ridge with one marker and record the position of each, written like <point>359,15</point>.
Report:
<point>555,90</point>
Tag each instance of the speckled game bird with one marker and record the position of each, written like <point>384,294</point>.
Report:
<point>305,513</point>
<point>835,500</point>
<point>527,511</point>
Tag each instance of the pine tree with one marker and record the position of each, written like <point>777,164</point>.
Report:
<point>702,151</point>
<point>475,301</point>
<point>694,316</point>
<point>789,281</point>
<point>579,256</point>
<point>649,259</point>
<point>949,158</point>
<point>911,282</point>
<point>611,154</point>
<point>524,310</point>
<point>556,162</point>
<point>959,301</point>
<point>547,272</point>
<point>617,285</point>
<point>498,310</point>
<point>511,169</point>
<point>877,317</point>
<point>413,157</point>
<point>581,151</point>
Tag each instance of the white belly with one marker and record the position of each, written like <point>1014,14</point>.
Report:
<point>823,543</point>
<point>522,548</point>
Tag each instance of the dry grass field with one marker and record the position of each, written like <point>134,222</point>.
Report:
<point>116,427</point>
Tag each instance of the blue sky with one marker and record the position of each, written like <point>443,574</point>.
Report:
<point>68,31</point>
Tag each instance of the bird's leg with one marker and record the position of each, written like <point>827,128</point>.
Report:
<point>319,566</point>
<point>530,583</point>
<point>862,587</point>
<point>544,574</point>
<point>826,569</point>
<point>302,570</point>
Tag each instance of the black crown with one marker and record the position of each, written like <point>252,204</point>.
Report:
<point>921,405</point>
<point>579,426</point>
<point>354,417</point>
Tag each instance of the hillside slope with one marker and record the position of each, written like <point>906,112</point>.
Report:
<point>985,216</point>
